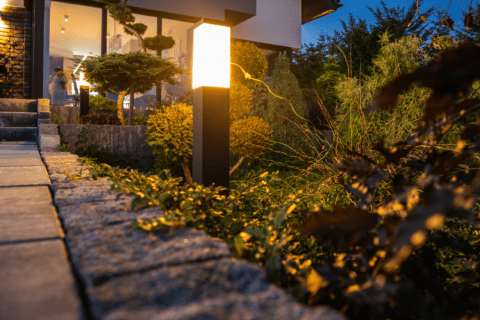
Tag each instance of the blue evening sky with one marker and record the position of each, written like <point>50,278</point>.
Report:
<point>358,8</point>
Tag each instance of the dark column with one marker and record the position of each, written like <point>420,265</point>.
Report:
<point>211,117</point>
<point>159,32</point>
<point>38,26</point>
<point>84,96</point>
<point>103,49</point>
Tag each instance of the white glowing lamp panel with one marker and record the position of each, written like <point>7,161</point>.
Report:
<point>211,56</point>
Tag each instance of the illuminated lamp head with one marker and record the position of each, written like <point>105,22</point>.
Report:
<point>211,56</point>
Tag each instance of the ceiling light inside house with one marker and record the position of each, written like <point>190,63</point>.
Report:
<point>63,30</point>
<point>66,18</point>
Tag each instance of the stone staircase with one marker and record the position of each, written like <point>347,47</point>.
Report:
<point>27,120</point>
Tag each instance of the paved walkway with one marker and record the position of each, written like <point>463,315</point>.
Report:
<point>36,281</point>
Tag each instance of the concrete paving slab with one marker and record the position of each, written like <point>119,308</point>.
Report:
<point>20,161</point>
<point>28,195</point>
<point>18,147</point>
<point>28,222</point>
<point>8,155</point>
<point>23,176</point>
<point>17,143</point>
<point>27,152</point>
<point>36,282</point>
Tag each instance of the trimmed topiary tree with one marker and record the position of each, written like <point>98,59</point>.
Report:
<point>284,120</point>
<point>170,133</point>
<point>134,71</point>
<point>250,58</point>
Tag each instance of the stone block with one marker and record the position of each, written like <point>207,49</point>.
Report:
<point>37,283</point>
<point>5,119</point>
<point>100,252</point>
<point>24,119</point>
<point>48,140</point>
<point>43,105</point>
<point>43,121</point>
<point>47,129</point>
<point>44,115</point>
<point>216,289</point>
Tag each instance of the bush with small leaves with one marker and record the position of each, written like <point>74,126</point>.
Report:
<point>100,103</point>
<point>249,137</point>
<point>102,118</point>
<point>170,134</point>
<point>250,58</point>
<point>240,101</point>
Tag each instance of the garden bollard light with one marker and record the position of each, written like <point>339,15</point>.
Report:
<point>84,96</point>
<point>211,104</point>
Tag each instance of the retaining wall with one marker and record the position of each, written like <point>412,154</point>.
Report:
<point>69,114</point>
<point>128,140</point>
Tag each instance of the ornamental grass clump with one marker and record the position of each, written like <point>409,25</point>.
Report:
<point>360,128</point>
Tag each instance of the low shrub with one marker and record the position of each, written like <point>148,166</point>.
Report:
<point>250,58</point>
<point>249,137</point>
<point>170,134</point>
<point>100,103</point>
<point>137,121</point>
<point>101,118</point>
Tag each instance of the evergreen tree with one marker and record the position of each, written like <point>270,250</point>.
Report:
<point>284,120</point>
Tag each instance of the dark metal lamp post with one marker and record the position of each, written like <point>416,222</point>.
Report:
<point>211,104</point>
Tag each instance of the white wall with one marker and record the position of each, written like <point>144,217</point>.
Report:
<point>211,9</point>
<point>14,3</point>
<point>277,22</point>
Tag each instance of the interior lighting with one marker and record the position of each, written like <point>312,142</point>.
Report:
<point>63,30</point>
<point>211,56</point>
<point>66,18</point>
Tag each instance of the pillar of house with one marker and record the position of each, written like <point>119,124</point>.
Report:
<point>15,51</point>
<point>46,50</point>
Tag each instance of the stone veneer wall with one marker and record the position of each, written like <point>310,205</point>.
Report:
<point>15,52</point>
<point>69,115</point>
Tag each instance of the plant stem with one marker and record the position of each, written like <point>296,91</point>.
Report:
<point>188,174</point>
<point>121,96</point>
<point>235,167</point>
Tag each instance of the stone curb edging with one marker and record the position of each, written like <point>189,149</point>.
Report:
<point>173,274</point>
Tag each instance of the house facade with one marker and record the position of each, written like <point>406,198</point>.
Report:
<point>39,36</point>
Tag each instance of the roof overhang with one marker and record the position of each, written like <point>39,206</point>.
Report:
<point>314,9</point>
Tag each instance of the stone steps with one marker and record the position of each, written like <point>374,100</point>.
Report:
<point>22,120</point>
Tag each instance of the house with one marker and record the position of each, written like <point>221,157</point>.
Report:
<point>38,36</point>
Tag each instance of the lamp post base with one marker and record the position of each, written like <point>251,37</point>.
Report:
<point>211,120</point>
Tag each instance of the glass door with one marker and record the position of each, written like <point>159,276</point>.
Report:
<point>74,31</point>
